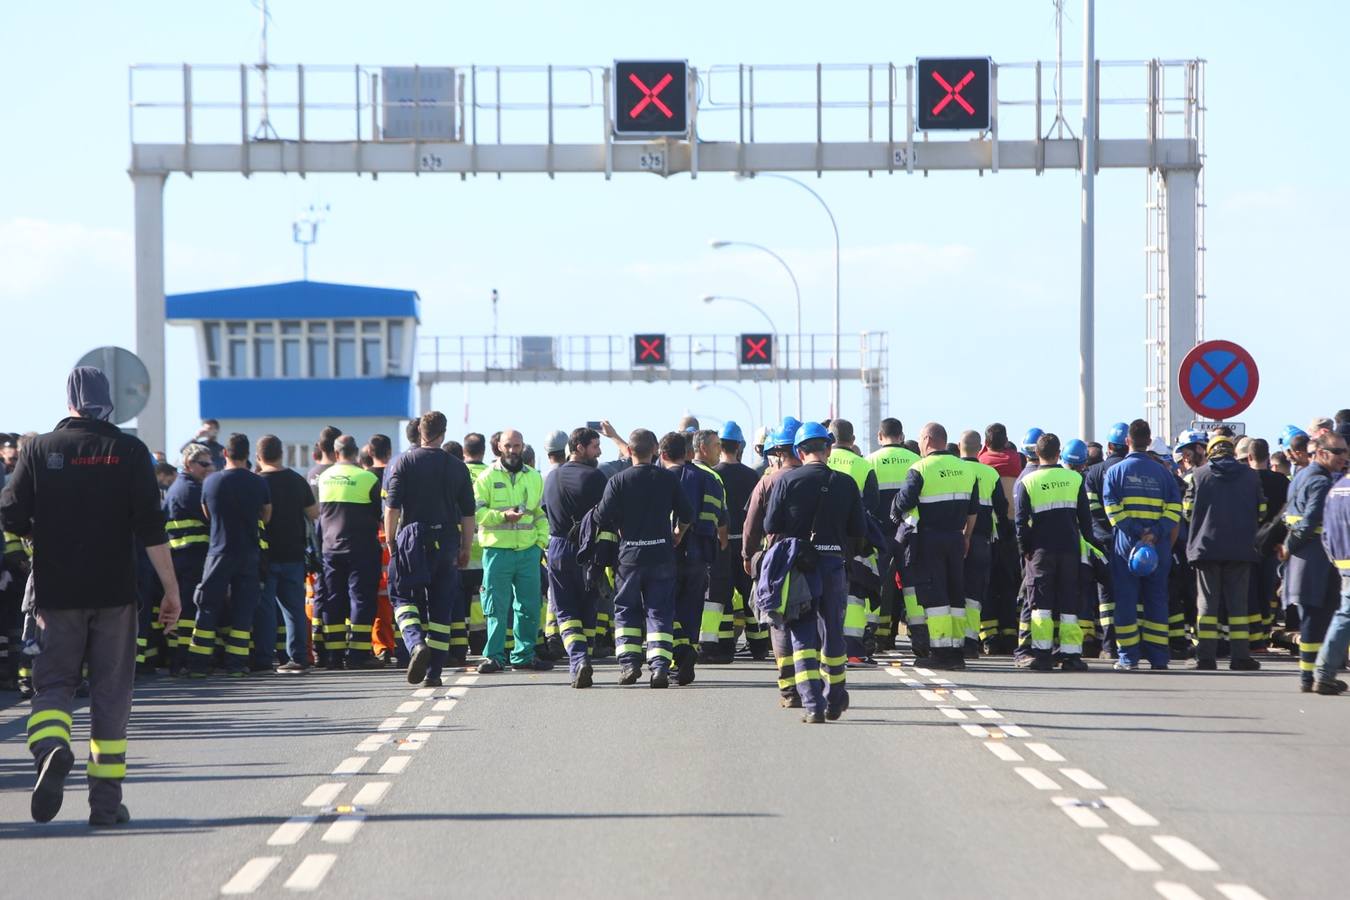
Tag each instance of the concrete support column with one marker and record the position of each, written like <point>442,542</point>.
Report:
<point>1180,185</point>
<point>149,205</point>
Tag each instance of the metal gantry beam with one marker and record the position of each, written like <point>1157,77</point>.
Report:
<point>744,119</point>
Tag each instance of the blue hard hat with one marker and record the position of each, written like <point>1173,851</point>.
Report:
<point>1075,452</point>
<point>1029,441</point>
<point>731,432</point>
<point>1188,438</point>
<point>812,431</point>
<point>1143,560</point>
<point>1119,434</point>
<point>777,439</point>
<point>790,426</point>
<point>1290,432</point>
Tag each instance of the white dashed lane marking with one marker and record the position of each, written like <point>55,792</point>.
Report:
<point>371,794</point>
<point>1036,778</point>
<point>1128,811</point>
<point>444,705</point>
<point>1082,816</point>
<point>1045,752</point>
<point>1016,731</point>
<point>964,696</point>
<point>987,712</point>
<point>1003,751</point>
<point>250,875</point>
<point>291,831</point>
<point>976,731</point>
<point>1186,853</point>
<point>431,722</point>
<point>344,830</point>
<point>926,673</point>
<point>415,741</point>
<point>351,765</point>
<point>931,696</point>
<point>409,706</point>
<point>424,692</point>
<point>324,794</point>
<point>457,691</point>
<point>395,765</point>
<point>1173,890</point>
<point>372,743</point>
<point>393,723</point>
<point>1082,779</point>
<point>311,871</point>
<point>952,712</point>
<point>1127,852</point>
<point>1238,892</point>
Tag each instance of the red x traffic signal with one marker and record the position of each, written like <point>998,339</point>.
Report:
<point>649,350</point>
<point>651,99</point>
<point>954,94</point>
<point>756,350</point>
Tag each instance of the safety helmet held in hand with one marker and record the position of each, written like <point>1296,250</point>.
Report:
<point>1143,560</point>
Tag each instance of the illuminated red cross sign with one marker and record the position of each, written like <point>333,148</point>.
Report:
<point>954,94</point>
<point>650,95</point>
<point>649,350</point>
<point>651,99</point>
<point>756,349</point>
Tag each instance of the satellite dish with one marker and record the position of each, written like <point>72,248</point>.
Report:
<point>127,377</point>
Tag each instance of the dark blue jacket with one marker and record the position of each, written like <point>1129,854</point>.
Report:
<point>1224,505</point>
<point>1336,525</point>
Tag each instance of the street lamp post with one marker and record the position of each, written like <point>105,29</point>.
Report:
<point>774,329</point>
<point>700,350</point>
<point>797,291</point>
<point>834,392</point>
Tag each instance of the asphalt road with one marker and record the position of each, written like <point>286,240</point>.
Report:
<point>996,782</point>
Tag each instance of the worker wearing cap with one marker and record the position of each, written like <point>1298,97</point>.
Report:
<point>639,504</point>
<point>550,644</point>
<point>1310,577</point>
<point>937,508</point>
<point>1051,515</point>
<point>707,537</point>
<point>891,462</point>
<point>570,492</point>
<point>729,583</point>
<point>1093,481</point>
<point>981,627</point>
<point>816,504</point>
<point>1223,506</point>
<point>1143,504</point>
<point>778,450</point>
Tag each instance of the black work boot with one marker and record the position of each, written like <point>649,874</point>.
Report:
<point>50,788</point>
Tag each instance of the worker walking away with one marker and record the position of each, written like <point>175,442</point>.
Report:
<point>1142,502</point>
<point>822,509</point>
<point>981,628</point>
<point>639,504</point>
<point>189,536</point>
<point>1336,543</point>
<point>1051,516</point>
<point>729,583</point>
<point>1094,481</point>
<point>694,557</point>
<point>570,491</point>
<point>778,451</point>
<point>349,517</point>
<point>936,510</point>
<point>428,524</point>
<point>513,531</point>
<point>846,458</point>
<point>891,462</point>
<point>237,504</point>
<point>85,494</point>
<point>1005,574</point>
<point>1310,577</point>
<point>1223,506</point>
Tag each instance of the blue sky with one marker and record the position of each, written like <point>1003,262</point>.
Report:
<point>975,279</point>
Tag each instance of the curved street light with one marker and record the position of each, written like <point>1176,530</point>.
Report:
<point>796,288</point>
<point>710,298</point>
<point>834,397</point>
<point>749,413</point>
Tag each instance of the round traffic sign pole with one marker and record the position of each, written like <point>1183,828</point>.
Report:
<point>1218,379</point>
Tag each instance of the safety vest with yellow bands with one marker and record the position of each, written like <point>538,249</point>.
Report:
<point>850,464</point>
<point>495,491</point>
<point>945,488</point>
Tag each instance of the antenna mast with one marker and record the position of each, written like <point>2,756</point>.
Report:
<point>264,131</point>
<point>1060,123</point>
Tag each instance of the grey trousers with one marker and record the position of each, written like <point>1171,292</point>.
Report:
<point>105,640</point>
<point>1223,586</point>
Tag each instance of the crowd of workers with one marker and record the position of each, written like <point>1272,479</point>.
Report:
<point>669,556</point>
